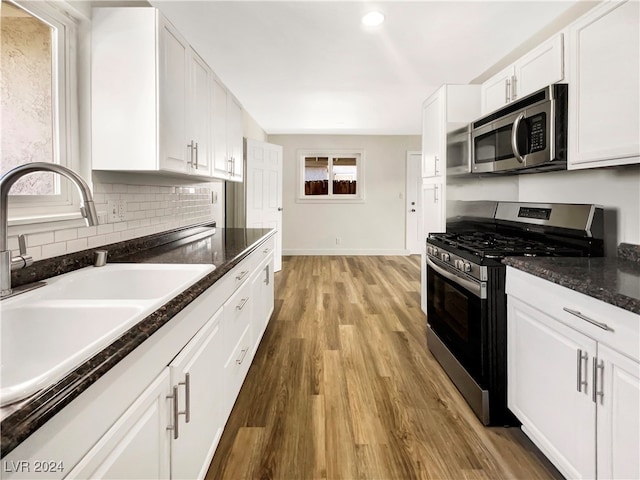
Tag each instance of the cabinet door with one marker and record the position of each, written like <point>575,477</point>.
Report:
<point>544,369</point>
<point>234,139</point>
<point>433,202</point>
<point>200,117</point>
<point>198,373</point>
<point>433,135</point>
<point>604,88</point>
<point>138,444</point>
<point>541,67</point>
<point>262,291</point>
<point>220,163</point>
<point>618,415</point>
<point>496,92</point>
<point>173,56</point>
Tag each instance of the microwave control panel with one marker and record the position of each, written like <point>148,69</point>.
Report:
<point>537,132</point>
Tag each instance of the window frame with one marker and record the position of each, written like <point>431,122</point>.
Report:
<point>64,206</point>
<point>359,155</point>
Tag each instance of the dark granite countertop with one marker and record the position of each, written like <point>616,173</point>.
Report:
<point>613,280</point>
<point>203,244</point>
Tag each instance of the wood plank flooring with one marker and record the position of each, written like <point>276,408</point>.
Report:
<point>343,387</point>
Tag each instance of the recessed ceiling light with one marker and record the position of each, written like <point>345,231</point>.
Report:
<point>373,19</point>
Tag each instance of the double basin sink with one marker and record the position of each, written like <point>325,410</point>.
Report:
<point>48,332</point>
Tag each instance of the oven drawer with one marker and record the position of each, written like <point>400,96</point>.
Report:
<point>603,322</point>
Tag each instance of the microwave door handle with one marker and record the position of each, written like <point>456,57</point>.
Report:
<point>514,137</point>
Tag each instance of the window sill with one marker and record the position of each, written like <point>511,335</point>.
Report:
<point>48,223</point>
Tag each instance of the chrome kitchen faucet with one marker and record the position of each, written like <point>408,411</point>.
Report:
<point>9,263</point>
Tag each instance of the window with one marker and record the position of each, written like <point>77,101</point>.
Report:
<point>39,109</point>
<point>331,176</point>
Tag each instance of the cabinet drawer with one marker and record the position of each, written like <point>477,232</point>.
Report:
<point>237,314</point>
<point>236,368</point>
<point>605,323</point>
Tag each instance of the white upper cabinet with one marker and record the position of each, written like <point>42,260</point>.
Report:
<point>604,86</point>
<point>153,98</point>
<point>227,135</point>
<point>540,67</point>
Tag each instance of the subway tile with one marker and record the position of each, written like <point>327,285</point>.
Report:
<point>87,232</point>
<point>113,238</point>
<point>103,229</point>
<point>64,235</point>
<point>120,226</point>
<point>133,224</point>
<point>96,241</point>
<point>102,188</point>
<point>35,239</point>
<point>138,215</point>
<point>35,252</point>
<point>133,207</point>
<point>76,245</point>
<point>54,249</point>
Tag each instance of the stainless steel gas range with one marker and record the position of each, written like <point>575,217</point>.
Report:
<point>466,300</point>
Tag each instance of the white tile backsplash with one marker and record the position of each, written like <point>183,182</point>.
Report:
<point>149,209</point>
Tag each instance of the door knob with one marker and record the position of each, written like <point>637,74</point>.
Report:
<point>412,210</point>
<point>279,209</point>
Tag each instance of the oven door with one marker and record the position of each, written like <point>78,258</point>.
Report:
<point>456,312</point>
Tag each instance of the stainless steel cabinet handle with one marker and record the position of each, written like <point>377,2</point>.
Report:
<point>243,354</point>
<point>190,147</point>
<point>187,397</point>
<point>581,356</point>
<point>176,413</point>
<point>435,165</point>
<point>241,275</point>
<point>229,165</point>
<point>601,325</point>
<point>507,88</point>
<point>598,366</point>
<point>242,303</point>
<point>435,194</point>
<point>266,277</point>
<point>514,90</point>
<point>266,250</point>
<point>196,149</point>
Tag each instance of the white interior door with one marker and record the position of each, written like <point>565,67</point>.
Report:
<point>413,211</point>
<point>264,190</point>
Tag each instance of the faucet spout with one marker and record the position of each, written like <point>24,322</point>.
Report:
<point>87,209</point>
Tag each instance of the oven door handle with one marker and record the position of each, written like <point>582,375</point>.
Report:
<point>479,289</point>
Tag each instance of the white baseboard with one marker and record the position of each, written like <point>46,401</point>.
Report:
<point>320,252</point>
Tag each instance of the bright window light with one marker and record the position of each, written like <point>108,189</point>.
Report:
<point>373,19</point>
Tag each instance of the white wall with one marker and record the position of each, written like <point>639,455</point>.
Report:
<point>617,189</point>
<point>375,227</point>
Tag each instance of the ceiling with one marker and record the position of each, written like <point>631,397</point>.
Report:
<point>312,67</point>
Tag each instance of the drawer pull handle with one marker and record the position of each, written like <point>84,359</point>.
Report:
<point>243,354</point>
<point>242,274</point>
<point>266,277</point>
<point>266,250</point>
<point>601,325</point>
<point>242,303</point>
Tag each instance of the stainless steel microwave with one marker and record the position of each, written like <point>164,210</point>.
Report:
<point>529,134</point>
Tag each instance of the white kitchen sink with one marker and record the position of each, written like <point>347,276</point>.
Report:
<point>124,281</point>
<point>48,332</point>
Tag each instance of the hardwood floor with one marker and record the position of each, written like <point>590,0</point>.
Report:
<point>343,387</point>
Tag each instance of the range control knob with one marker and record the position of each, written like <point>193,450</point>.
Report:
<point>445,257</point>
<point>432,251</point>
<point>466,267</point>
<point>458,264</point>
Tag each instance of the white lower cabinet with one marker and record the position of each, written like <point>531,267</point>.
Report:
<point>160,412</point>
<point>197,382</point>
<point>574,377</point>
<point>138,444</point>
<point>262,289</point>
